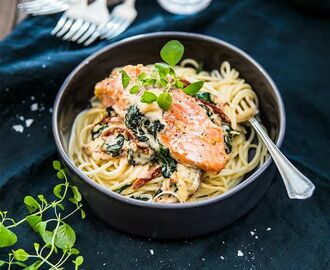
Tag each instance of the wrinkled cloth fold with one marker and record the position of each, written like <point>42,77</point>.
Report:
<point>292,44</point>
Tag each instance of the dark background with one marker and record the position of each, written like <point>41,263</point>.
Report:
<point>291,42</point>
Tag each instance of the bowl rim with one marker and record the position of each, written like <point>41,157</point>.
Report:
<point>153,205</point>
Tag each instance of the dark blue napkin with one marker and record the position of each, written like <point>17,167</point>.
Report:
<point>293,46</point>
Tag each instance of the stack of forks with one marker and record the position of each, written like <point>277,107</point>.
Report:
<point>85,23</point>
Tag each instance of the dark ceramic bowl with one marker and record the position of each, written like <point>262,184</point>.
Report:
<point>167,220</point>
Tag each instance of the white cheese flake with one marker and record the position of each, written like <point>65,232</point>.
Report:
<point>239,253</point>
<point>268,229</point>
<point>28,122</point>
<point>18,128</point>
<point>34,107</point>
<point>21,118</point>
<point>222,258</point>
<point>151,251</point>
<point>32,98</point>
<point>252,233</point>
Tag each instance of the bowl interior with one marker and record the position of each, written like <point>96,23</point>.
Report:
<point>79,87</point>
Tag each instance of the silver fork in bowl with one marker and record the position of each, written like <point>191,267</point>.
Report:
<point>44,7</point>
<point>297,185</point>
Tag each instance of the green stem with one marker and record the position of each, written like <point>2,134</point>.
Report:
<point>48,206</point>
<point>45,260</point>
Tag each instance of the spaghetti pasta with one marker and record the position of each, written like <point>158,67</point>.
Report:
<point>118,174</point>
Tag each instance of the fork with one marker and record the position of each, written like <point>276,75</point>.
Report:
<point>84,24</point>
<point>80,21</point>
<point>297,185</point>
<point>43,7</point>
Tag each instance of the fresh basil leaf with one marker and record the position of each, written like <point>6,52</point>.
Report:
<point>163,82</point>
<point>78,261</point>
<point>41,228</point>
<point>56,165</point>
<point>31,204</point>
<point>163,70</point>
<point>172,52</point>
<point>193,88</point>
<point>65,237</point>
<point>148,82</point>
<point>164,101</point>
<point>179,84</point>
<point>124,78</point>
<point>205,96</point>
<point>34,221</point>
<point>58,191</point>
<point>7,237</point>
<point>36,247</point>
<point>142,76</point>
<point>47,237</point>
<point>2,263</point>
<point>20,255</point>
<point>148,97</point>
<point>134,89</point>
<point>76,193</point>
<point>60,175</point>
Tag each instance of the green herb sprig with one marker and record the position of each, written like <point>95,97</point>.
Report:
<point>57,236</point>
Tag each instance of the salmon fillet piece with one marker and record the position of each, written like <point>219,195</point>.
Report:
<point>192,138</point>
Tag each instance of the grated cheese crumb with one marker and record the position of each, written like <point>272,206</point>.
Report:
<point>28,122</point>
<point>151,251</point>
<point>18,128</point>
<point>21,118</point>
<point>222,258</point>
<point>32,98</point>
<point>34,107</point>
<point>252,233</point>
<point>239,253</point>
<point>268,229</point>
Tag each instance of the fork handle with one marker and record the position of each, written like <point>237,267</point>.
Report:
<point>297,185</point>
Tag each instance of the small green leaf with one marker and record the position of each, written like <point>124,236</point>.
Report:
<point>124,78</point>
<point>164,101</point>
<point>73,200</point>
<point>74,251</point>
<point>83,214</point>
<point>42,199</point>
<point>205,96</point>
<point>60,205</point>
<point>41,228</point>
<point>148,97</point>
<point>148,82</point>
<point>33,221</point>
<point>65,237</point>
<point>60,174</point>
<point>78,261</point>
<point>47,237</point>
<point>2,263</point>
<point>142,76</point>
<point>179,84</point>
<point>20,255</point>
<point>7,237</point>
<point>76,193</point>
<point>57,191</point>
<point>56,165</point>
<point>36,247</point>
<point>134,89</point>
<point>31,204</point>
<point>172,52</point>
<point>163,70</point>
<point>192,89</point>
<point>163,82</point>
